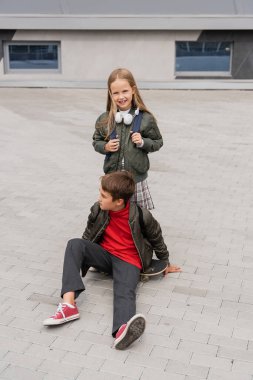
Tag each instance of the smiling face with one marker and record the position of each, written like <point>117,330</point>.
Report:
<point>107,203</point>
<point>122,94</point>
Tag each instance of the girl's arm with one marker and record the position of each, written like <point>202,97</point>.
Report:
<point>99,136</point>
<point>99,142</point>
<point>151,136</point>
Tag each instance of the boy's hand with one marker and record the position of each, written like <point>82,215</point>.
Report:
<point>172,269</point>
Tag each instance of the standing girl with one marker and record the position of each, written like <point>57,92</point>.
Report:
<point>126,133</point>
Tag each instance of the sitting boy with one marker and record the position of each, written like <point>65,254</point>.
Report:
<point>113,243</point>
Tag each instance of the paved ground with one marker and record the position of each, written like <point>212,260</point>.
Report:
<point>200,322</point>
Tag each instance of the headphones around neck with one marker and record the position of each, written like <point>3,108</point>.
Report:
<point>127,119</point>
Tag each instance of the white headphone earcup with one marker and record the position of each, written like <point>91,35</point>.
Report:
<point>128,118</point>
<point>118,117</point>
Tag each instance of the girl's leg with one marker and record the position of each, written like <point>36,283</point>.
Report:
<point>125,280</point>
<point>79,253</point>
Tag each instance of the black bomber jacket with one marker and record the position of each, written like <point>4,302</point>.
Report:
<point>152,241</point>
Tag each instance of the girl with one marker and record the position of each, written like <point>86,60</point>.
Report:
<point>126,133</point>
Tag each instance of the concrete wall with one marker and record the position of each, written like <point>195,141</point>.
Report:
<point>242,59</point>
<point>89,56</point>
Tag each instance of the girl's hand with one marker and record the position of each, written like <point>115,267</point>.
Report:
<point>136,138</point>
<point>172,269</point>
<point>112,145</point>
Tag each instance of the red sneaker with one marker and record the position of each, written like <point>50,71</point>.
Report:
<point>130,331</point>
<point>64,313</point>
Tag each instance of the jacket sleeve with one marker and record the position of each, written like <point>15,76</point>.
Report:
<point>99,138</point>
<point>94,211</point>
<point>151,135</point>
<point>153,234</point>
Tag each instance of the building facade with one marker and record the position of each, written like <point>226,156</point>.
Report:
<point>74,43</point>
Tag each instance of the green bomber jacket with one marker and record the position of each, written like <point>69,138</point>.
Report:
<point>135,159</point>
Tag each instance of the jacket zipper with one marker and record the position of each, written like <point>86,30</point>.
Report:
<point>119,146</point>
<point>136,246</point>
<point>101,229</point>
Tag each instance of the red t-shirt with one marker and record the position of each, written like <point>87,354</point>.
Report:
<point>117,238</point>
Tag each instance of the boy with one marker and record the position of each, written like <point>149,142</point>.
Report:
<point>113,243</point>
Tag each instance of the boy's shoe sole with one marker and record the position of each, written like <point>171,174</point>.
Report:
<point>56,322</point>
<point>134,329</point>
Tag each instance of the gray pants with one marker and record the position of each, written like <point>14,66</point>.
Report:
<point>81,252</point>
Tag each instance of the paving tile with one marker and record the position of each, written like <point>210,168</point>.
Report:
<point>88,374</point>
<point>190,291</point>
<point>243,366</point>
<point>202,198</point>
<point>14,345</point>
<point>211,361</point>
<point>20,373</point>
<point>149,374</point>
<point>146,361</point>
<point>71,345</point>
<point>157,300</point>
<point>44,352</point>
<point>95,338</point>
<point>83,361</point>
<point>167,311</point>
<point>242,333</point>
<point>220,311</point>
<point>233,353</point>
<point>104,352</point>
<point>178,323</point>
<point>218,374</point>
<point>186,369</point>
<point>132,371</point>
<point>200,317</point>
<point>190,346</point>
<point>22,360</point>
<point>174,354</point>
<point>222,341</point>
<point>186,333</point>
<point>23,336</point>
<point>54,376</point>
<point>212,329</point>
<point>26,324</point>
<point>67,370</point>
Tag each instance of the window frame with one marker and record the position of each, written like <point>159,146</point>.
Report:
<point>203,74</point>
<point>9,70</point>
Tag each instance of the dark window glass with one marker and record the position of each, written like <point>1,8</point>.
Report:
<point>203,56</point>
<point>33,56</point>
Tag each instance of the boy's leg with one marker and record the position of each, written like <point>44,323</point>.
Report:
<point>125,280</point>
<point>81,252</point>
<point>127,326</point>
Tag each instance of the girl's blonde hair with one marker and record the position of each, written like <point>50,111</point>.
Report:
<point>111,107</point>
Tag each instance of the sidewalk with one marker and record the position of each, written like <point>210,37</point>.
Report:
<point>200,322</point>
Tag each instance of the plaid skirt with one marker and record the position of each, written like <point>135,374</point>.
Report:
<point>142,195</point>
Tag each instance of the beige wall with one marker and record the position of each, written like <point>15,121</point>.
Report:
<point>91,56</point>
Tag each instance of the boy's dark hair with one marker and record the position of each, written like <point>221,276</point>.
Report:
<point>119,184</point>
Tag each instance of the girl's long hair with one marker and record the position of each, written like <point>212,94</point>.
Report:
<point>111,107</point>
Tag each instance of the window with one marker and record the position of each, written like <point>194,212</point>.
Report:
<point>32,56</point>
<point>203,58</point>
